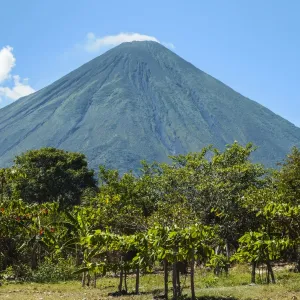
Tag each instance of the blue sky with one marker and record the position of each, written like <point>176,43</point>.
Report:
<point>252,46</point>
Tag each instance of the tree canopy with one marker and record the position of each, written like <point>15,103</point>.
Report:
<point>49,174</point>
<point>214,208</point>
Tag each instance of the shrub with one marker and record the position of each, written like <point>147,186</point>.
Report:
<point>49,271</point>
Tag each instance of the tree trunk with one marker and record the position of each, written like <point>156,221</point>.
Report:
<point>253,272</point>
<point>125,280</point>
<point>227,250</point>
<point>228,257</point>
<point>34,257</point>
<point>298,264</point>
<point>174,281</point>
<point>217,269</point>
<point>88,276</point>
<point>83,279</point>
<point>193,276</point>
<point>297,268</point>
<point>166,278</point>
<point>95,280</point>
<point>260,274</point>
<point>121,281</point>
<point>270,272</point>
<point>217,250</point>
<point>137,280</point>
<point>178,282</point>
<point>78,256</point>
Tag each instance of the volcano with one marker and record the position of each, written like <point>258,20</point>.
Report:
<point>140,101</point>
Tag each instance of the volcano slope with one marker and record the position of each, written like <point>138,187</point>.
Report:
<point>140,101</point>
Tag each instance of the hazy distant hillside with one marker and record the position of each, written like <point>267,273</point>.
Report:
<point>140,101</point>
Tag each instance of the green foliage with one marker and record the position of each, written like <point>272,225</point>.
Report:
<point>260,247</point>
<point>50,174</point>
<point>60,270</point>
<point>219,262</point>
<point>17,272</point>
<point>210,281</point>
<point>288,177</point>
<point>210,208</point>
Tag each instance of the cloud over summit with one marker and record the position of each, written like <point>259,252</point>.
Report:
<point>94,43</point>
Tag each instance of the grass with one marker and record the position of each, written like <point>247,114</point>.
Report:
<point>235,286</point>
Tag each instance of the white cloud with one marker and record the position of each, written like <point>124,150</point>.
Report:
<point>7,62</point>
<point>94,44</point>
<point>169,45</point>
<point>16,89</point>
<point>20,89</point>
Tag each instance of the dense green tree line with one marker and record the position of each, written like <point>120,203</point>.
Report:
<point>212,208</point>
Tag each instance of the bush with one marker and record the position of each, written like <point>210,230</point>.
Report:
<point>20,272</point>
<point>49,271</point>
<point>210,281</point>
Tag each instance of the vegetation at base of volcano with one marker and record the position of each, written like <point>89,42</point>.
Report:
<point>213,209</point>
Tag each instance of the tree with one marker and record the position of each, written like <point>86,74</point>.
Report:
<point>277,232</point>
<point>288,177</point>
<point>287,185</point>
<point>126,200</point>
<point>5,183</point>
<point>213,184</point>
<point>50,174</point>
<point>261,248</point>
